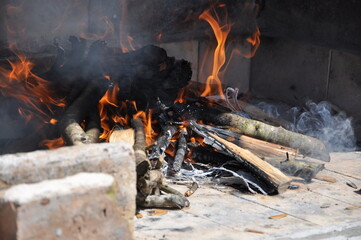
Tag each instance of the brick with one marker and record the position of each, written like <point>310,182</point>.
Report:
<point>82,206</point>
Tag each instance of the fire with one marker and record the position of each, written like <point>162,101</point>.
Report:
<point>254,40</point>
<point>32,91</point>
<point>214,84</point>
<point>109,118</point>
<point>53,143</point>
<point>109,98</point>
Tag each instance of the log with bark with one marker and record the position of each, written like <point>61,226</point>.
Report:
<point>307,145</point>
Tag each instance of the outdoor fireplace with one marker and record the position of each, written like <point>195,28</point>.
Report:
<point>164,76</point>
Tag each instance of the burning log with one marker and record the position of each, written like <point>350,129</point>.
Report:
<point>83,108</point>
<point>307,145</point>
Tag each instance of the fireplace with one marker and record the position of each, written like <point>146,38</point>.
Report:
<point>296,61</point>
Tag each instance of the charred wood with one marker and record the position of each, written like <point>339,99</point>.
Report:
<point>274,178</point>
<point>163,142</point>
<point>181,152</point>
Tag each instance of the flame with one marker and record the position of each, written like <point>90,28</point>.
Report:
<point>109,98</point>
<point>32,91</point>
<point>255,41</point>
<point>108,31</point>
<point>150,134</point>
<point>214,84</point>
<point>53,143</point>
<point>109,119</point>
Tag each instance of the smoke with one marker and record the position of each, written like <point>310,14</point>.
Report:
<point>319,121</point>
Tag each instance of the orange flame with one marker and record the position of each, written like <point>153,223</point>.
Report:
<point>109,98</point>
<point>150,134</point>
<point>221,34</point>
<point>32,91</point>
<point>255,41</point>
<point>53,143</point>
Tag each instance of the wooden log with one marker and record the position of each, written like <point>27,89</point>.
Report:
<point>181,152</point>
<point>294,167</point>
<point>141,159</point>
<point>260,148</point>
<point>266,171</point>
<point>82,109</point>
<point>165,201</point>
<point>122,135</point>
<point>163,142</point>
<point>307,145</point>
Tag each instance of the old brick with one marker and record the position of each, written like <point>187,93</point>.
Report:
<point>82,206</point>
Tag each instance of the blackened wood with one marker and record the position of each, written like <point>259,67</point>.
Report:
<point>272,177</point>
<point>181,152</point>
<point>163,142</point>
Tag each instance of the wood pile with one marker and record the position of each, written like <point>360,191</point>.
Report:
<point>197,135</point>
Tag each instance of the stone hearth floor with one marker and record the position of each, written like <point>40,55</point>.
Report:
<point>318,210</point>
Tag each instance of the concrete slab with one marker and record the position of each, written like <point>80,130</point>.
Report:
<point>314,211</point>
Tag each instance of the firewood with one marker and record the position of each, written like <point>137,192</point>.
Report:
<point>258,147</point>
<point>162,142</point>
<point>307,145</point>
<point>165,201</point>
<point>81,109</point>
<point>260,115</point>
<point>191,190</point>
<point>122,135</point>
<point>181,152</point>
<point>141,159</point>
<point>294,167</point>
<point>275,180</point>
<point>266,170</point>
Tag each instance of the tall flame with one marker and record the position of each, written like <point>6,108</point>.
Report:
<point>221,34</point>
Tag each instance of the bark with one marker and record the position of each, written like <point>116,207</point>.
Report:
<point>141,160</point>
<point>298,168</point>
<point>308,146</point>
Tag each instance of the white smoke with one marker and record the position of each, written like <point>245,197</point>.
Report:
<point>317,120</point>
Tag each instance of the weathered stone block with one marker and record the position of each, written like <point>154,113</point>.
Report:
<point>82,206</point>
<point>116,159</point>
